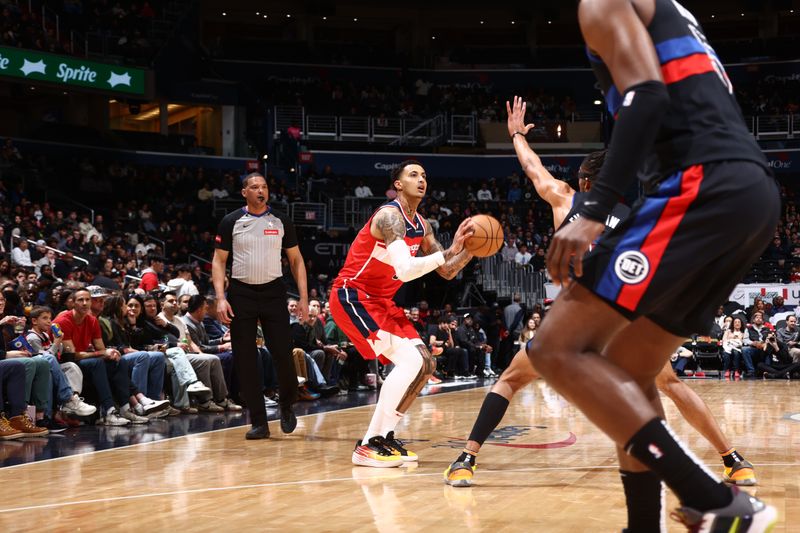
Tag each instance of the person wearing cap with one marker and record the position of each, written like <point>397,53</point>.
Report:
<point>183,282</point>
<point>98,295</point>
<point>151,274</point>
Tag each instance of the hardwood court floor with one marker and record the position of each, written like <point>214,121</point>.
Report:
<point>547,469</point>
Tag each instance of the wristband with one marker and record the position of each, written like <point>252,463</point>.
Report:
<point>517,133</point>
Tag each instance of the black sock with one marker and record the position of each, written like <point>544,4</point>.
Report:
<point>643,498</point>
<point>731,457</point>
<point>492,412</point>
<point>654,446</point>
<point>467,457</point>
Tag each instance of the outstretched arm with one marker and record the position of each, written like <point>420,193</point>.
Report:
<point>555,192</point>
<point>456,257</point>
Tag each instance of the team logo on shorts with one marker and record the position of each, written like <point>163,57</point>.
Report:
<point>632,267</point>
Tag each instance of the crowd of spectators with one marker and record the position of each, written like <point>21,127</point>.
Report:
<point>773,95</point>
<point>412,98</point>
<point>161,322</point>
<point>124,26</point>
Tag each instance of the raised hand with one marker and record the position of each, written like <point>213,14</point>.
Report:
<point>516,117</point>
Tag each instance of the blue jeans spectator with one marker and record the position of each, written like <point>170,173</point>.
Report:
<point>63,390</point>
<point>147,372</point>
<point>110,380</point>
<point>182,376</point>
<point>12,387</point>
<point>748,354</point>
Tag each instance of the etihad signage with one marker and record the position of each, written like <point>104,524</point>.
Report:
<point>65,70</point>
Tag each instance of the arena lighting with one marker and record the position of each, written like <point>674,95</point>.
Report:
<point>433,37</point>
<point>288,16</point>
<point>598,102</point>
<point>513,22</point>
<point>265,16</point>
<point>558,131</point>
<point>355,19</point>
<point>481,22</point>
<point>258,13</point>
<point>265,157</point>
<point>324,18</point>
<point>224,14</point>
<point>549,21</point>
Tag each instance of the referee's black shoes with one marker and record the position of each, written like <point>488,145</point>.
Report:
<point>288,420</point>
<point>258,432</point>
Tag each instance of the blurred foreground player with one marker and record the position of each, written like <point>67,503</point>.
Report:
<point>710,208</point>
<point>566,202</point>
<point>396,245</point>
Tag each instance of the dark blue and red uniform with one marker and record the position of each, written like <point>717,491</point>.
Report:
<point>711,204</point>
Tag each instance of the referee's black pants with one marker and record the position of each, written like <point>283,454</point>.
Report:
<point>267,303</point>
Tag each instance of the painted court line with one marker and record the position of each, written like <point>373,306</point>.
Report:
<point>128,446</point>
<point>313,482</point>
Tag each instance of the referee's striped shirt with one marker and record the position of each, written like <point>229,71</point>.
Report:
<point>255,243</point>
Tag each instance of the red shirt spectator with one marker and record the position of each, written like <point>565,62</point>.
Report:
<point>81,334</point>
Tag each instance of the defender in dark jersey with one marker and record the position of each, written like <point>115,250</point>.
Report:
<point>566,203</point>
<point>710,208</point>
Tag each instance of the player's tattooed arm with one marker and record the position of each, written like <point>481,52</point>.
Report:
<point>389,225</point>
<point>456,257</point>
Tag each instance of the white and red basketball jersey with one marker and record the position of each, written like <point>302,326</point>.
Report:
<point>367,265</point>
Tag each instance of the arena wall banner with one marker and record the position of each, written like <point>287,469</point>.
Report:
<point>440,165</point>
<point>743,294</point>
<point>32,66</point>
<point>380,164</point>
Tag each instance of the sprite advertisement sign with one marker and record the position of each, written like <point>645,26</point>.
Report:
<point>36,66</point>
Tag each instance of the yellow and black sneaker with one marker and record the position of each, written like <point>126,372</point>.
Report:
<point>459,474</point>
<point>398,446</point>
<point>741,473</point>
<point>376,453</point>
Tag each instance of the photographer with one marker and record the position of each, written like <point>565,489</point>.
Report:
<point>778,363</point>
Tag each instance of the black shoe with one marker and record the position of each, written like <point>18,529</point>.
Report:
<point>328,391</point>
<point>52,425</point>
<point>258,432</point>
<point>288,420</point>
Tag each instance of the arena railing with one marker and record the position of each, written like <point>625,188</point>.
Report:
<point>56,250</point>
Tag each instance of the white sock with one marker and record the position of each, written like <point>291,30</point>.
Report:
<point>407,364</point>
<point>390,421</point>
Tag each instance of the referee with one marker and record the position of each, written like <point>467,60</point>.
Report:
<point>252,238</point>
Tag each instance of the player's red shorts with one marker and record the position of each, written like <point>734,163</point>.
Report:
<point>361,317</point>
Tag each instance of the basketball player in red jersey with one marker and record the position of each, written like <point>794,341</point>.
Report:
<point>710,207</point>
<point>394,246</point>
<point>566,203</point>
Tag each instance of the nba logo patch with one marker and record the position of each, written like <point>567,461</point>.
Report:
<point>632,267</point>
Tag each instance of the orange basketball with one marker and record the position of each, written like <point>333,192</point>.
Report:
<point>488,236</point>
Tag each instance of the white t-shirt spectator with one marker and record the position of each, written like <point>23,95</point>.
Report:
<point>219,193</point>
<point>21,257</point>
<point>363,191</point>
<point>522,259</point>
<point>484,195</point>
